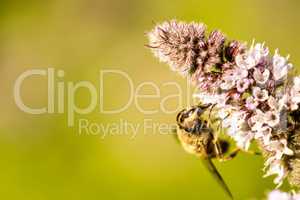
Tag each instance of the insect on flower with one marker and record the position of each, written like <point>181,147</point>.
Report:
<point>198,138</point>
<point>256,97</point>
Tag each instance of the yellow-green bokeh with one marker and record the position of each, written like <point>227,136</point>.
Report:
<point>43,158</point>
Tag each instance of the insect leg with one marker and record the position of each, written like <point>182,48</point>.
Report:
<point>232,155</point>
<point>210,111</point>
<point>254,153</point>
<point>218,149</point>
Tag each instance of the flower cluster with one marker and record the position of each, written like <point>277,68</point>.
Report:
<point>256,98</point>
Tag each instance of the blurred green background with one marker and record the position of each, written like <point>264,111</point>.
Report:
<point>43,158</point>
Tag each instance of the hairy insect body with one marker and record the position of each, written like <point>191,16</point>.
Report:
<point>201,146</point>
<point>197,137</point>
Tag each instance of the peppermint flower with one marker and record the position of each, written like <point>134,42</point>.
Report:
<point>280,66</point>
<point>251,103</point>
<point>279,147</point>
<point>272,118</point>
<point>261,77</point>
<point>242,85</point>
<point>277,105</point>
<point>245,61</point>
<point>278,195</point>
<point>258,52</point>
<point>207,98</point>
<point>257,120</point>
<point>295,93</point>
<point>252,57</point>
<point>238,129</point>
<point>227,83</point>
<point>244,139</point>
<point>276,167</point>
<point>240,73</point>
<point>264,134</point>
<point>260,94</point>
